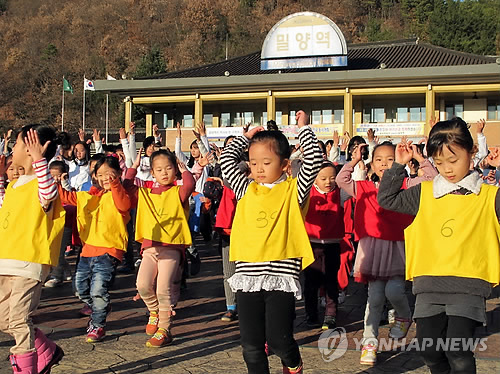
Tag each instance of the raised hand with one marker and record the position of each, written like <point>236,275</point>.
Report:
<point>123,134</point>
<point>345,141</point>
<point>96,135</point>
<point>494,157</point>
<point>254,131</point>
<point>417,155</point>
<point>179,131</point>
<point>371,135</point>
<point>357,153</point>
<point>181,166</point>
<point>336,139</point>
<point>81,135</point>
<point>432,121</point>
<point>35,148</point>
<point>404,152</point>
<point>131,128</point>
<point>202,129</point>
<point>246,128</point>
<point>156,132</point>
<point>3,165</point>
<point>137,160</point>
<point>480,126</point>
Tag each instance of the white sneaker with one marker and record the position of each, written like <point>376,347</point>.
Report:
<point>53,282</point>
<point>400,328</point>
<point>368,355</point>
<point>341,297</point>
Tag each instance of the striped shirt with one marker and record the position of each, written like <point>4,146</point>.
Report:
<point>313,158</point>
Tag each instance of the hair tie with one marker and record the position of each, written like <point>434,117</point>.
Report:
<point>115,156</point>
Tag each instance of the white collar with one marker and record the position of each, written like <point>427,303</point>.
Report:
<point>282,178</point>
<point>471,182</point>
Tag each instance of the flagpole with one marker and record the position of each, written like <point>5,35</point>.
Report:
<point>62,112</point>
<point>83,115</point>
<point>107,117</point>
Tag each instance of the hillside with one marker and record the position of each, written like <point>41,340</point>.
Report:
<point>44,40</point>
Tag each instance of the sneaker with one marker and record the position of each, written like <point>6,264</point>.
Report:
<point>313,322</point>
<point>86,310</point>
<point>400,328</point>
<point>152,325</point>
<point>229,316</point>
<point>329,323</point>
<point>53,282</point>
<point>368,355</point>
<point>95,334</point>
<point>298,370</point>
<point>341,298</point>
<point>161,338</point>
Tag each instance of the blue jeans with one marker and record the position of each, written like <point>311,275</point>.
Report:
<point>92,281</point>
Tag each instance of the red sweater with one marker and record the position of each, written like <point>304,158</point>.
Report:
<point>325,217</point>
<point>372,220</point>
<point>225,213</point>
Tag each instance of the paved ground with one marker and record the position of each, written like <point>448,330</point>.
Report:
<point>204,344</point>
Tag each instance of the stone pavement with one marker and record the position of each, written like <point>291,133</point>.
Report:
<point>204,344</point>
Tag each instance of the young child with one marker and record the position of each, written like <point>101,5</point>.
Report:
<point>57,169</point>
<point>13,171</point>
<point>79,173</point>
<point>102,215</point>
<point>163,230</point>
<point>452,246</point>
<point>325,226</point>
<point>268,240</point>
<point>31,224</point>
<point>380,259</point>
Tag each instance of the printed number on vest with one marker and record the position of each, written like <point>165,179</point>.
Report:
<point>6,221</point>
<point>446,230</point>
<point>263,219</point>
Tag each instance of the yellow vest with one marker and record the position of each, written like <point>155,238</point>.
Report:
<point>100,224</point>
<point>162,218</point>
<point>27,232</point>
<point>455,235</point>
<point>269,225</point>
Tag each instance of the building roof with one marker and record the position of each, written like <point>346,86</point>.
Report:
<point>397,54</point>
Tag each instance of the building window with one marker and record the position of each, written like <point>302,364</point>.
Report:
<point>402,114</point>
<point>187,120</point>
<point>208,120</point>
<point>454,110</point>
<point>338,116</point>
<point>377,115</point>
<point>279,118</point>
<point>225,119</point>
<point>291,118</point>
<point>493,111</point>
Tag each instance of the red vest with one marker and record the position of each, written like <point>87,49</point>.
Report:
<point>225,213</point>
<point>372,220</point>
<point>325,217</point>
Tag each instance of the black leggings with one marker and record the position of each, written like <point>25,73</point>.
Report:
<point>441,326</point>
<point>267,316</point>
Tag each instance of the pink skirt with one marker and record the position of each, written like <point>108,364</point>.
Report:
<point>378,259</point>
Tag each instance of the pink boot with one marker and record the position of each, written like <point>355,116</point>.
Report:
<point>25,363</point>
<point>48,352</point>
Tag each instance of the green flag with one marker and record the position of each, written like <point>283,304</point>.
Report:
<point>67,86</point>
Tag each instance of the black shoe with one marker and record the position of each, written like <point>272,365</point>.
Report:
<point>126,269</point>
<point>312,322</point>
<point>329,323</point>
<point>229,316</point>
<point>195,263</point>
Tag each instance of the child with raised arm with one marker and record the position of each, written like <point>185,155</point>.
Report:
<point>268,240</point>
<point>452,246</point>
<point>163,230</point>
<point>380,260</point>
<point>31,226</point>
